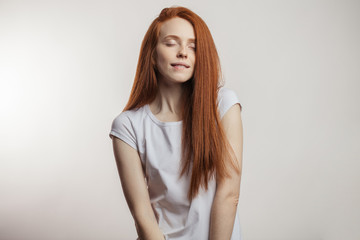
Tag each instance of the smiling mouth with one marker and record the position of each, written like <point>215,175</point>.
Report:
<point>179,65</point>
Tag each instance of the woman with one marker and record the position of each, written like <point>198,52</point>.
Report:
<point>178,141</point>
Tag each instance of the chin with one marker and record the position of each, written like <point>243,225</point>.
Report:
<point>175,79</point>
<point>182,80</point>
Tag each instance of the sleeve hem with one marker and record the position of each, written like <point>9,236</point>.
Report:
<point>123,138</point>
<point>229,106</point>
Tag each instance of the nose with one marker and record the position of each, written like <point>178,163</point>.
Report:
<point>182,52</point>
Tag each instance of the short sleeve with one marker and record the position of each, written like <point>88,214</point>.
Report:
<point>122,128</point>
<point>227,98</point>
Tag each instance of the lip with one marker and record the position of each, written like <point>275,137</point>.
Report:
<point>179,63</point>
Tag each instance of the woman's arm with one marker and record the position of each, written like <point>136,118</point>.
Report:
<point>226,198</point>
<point>135,190</point>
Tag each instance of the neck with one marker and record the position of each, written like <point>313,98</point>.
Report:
<point>168,100</point>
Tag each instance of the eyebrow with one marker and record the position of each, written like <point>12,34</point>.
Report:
<point>177,37</point>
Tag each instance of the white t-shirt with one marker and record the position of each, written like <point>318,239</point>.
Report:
<point>159,146</point>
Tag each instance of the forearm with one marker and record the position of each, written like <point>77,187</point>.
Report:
<point>223,212</point>
<point>147,227</point>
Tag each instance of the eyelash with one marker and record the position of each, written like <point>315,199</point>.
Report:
<point>172,44</point>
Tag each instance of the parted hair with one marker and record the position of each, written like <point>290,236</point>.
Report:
<point>205,148</point>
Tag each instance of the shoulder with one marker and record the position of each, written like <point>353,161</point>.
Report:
<point>128,117</point>
<point>126,126</point>
<point>121,120</point>
<point>227,98</point>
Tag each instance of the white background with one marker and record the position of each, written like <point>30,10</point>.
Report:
<point>66,71</point>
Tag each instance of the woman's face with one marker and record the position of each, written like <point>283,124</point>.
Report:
<point>176,48</point>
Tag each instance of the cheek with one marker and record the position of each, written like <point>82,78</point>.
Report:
<point>161,58</point>
<point>192,57</point>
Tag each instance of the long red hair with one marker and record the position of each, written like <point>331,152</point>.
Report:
<point>204,143</point>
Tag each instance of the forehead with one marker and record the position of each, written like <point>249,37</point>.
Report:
<point>177,26</point>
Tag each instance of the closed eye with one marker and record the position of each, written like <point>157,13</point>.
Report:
<point>172,44</point>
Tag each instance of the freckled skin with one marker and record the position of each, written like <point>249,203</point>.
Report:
<point>170,50</point>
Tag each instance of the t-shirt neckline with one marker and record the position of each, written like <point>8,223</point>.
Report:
<point>157,121</point>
